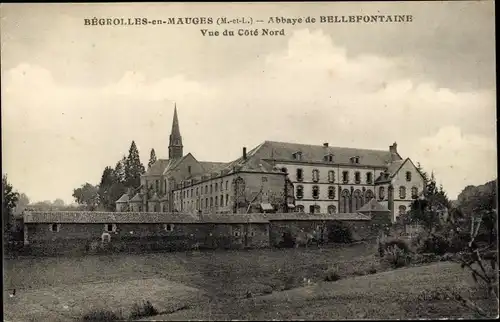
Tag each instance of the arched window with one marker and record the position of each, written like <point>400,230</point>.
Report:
<point>315,175</point>
<point>332,209</point>
<point>315,192</point>
<point>414,192</point>
<point>368,195</point>
<point>331,176</point>
<point>381,193</point>
<point>344,201</point>
<point>402,192</point>
<point>402,210</point>
<point>331,192</point>
<point>357,200</point>
<point>300,192</point>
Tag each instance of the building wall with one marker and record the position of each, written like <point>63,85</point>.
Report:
<point>206,195</point>
<point>400,180</point>
<point>324,183</point>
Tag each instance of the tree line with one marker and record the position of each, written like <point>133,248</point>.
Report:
<point>115,181</point>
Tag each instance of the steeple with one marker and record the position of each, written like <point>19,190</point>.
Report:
<point>175,144</point>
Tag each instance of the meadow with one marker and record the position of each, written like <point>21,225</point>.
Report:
<point>247,284</point>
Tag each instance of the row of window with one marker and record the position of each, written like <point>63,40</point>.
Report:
<point>345,176</point>
<point>316,209</point>
<point>197,191</point>
<point>328,157</point>
<point>402,192</point>
<point>331,192</point>
<point>207,202</point>
<point>331,176</point>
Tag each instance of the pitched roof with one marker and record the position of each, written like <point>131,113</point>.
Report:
<point>123,198</point>
<point>373,206</point>
<point>282,151</point>
<point>159,167</point>
<point>136,198</point>
<point>212,166</point>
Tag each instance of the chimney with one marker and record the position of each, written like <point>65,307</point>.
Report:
<point>244,153</point>
<point>393,148</point>
<point>325,144</point>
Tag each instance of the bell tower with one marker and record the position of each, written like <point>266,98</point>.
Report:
<point>175,143</point>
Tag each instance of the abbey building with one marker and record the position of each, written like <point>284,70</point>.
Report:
<point>278,177</point>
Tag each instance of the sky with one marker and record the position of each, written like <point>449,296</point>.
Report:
<point>75,96</point>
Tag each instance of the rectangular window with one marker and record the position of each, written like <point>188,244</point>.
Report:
<point>227,183</point>
<point>197,192</point>
<point>345,176</point>
<point>54,227</point>
<point>357,177</point>
<point>300,176</point>
<point>369,178</point>
<point>109,228</point>
<point>216,187</point>
<point>211,188</point>
<point>227,199</point>
<point>408,176</point>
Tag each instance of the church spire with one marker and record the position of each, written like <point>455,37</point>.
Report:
<point>175,144</point>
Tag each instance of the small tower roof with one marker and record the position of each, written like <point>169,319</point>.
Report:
<point>137,198</point>
<point>123,198</point>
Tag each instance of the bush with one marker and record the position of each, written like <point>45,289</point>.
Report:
<point>339,233</point>
<point>372,270</point>
<point>397,257</point>
<point>101,315</point>
<point>435,244</point>
<point>399,243</point>
<point>332,275</point>
<point>146,309</point>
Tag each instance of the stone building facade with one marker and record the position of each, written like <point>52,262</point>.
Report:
<point>277,176</point>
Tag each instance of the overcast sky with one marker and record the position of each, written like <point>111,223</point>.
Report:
<point>75,96</point>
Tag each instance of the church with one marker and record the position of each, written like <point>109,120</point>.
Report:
<point>278,177</point>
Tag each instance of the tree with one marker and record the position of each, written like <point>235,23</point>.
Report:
<point>22,203</point>
<point>87,195</point>
<point>119,172</point>
<point>58,203</point>
<point>106,199</point>
<point>9,201</point>
<point>133,168</point>
<point>430,207</point>
<point>152,158</point>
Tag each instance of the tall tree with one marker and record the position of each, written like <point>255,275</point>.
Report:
<point>58,203</point>
<point>152,158</point>
<point>87,195</point>
<point>106,199</point>
<point>119,171</point>
<point>134,168</point>
<point>9,201</point>
<point>22,203</point>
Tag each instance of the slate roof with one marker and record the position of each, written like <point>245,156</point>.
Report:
<point>212,166</point>
<point>373,206</point>
<point>159,167</point>
<point>282,151</point>
<point>123,199</point>
<point>91,217</point>
<point>137,198</point>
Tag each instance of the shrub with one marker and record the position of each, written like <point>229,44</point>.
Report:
<point>146,309</point>
<point>396,256</point>
<point>339,233</point>
<point>399,243</point>
<point>435,244</point>
<point>372,270</point>
<point>332,275</point>
<point>101,315</point>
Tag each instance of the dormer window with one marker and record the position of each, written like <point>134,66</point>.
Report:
<point>355,160</point>
<point>297,156</point>
<point>328,158</point>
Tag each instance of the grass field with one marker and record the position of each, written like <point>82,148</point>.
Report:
<point>214,285</point>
